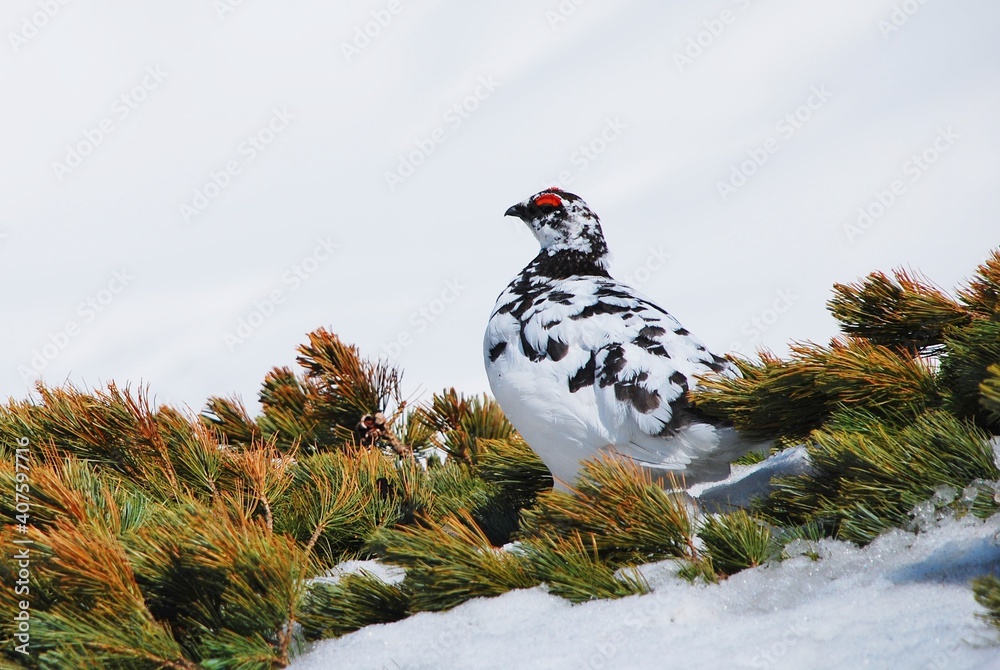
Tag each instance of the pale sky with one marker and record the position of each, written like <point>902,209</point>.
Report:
<point>191,187</point>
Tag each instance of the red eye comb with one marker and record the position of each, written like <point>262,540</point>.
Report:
<point>550,199</point>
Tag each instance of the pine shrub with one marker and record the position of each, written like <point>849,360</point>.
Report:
<point>335,608</point>
<point>616,509</point>
<point>736,541</point>
<point>165,540</point>
<point>898,409</point>
<point>451,561</point>
<point>574,571</point>
<point>987,592</point>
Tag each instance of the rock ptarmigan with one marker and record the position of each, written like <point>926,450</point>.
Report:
<point>583,364</point>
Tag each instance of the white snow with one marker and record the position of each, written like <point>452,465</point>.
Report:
<point>902,602</point>
<point>750,481</point>
<point>390,574</point>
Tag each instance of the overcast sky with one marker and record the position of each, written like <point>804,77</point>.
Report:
<point>191,187</point>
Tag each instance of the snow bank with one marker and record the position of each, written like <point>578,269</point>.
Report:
<point>750,481</point>
<point>390,574</point>
<point>902,602</point>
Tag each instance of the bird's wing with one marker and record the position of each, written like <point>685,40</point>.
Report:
<point>634,359</point>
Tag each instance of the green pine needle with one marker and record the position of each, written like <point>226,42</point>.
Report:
<point>460,422</point>
<point>230,418</point>
<point>866,481</point>
<point>344,386</point>
<point>737,541</point>
<point>990,390</point>
<point>616,508</point>
<point>982,295</point>
<point>987,592</point>
<point>451,561</point>
<point>970,353</point>
<point>576,572</point>
<point>776,399</point>
<point>332,609</point>
<point>903,311</point>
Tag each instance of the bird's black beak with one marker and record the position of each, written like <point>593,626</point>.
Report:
<point>516,210</point>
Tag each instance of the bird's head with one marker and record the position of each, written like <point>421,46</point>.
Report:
<point>562,221</point>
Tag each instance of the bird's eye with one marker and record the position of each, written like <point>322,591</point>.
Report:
<point>548,199</point>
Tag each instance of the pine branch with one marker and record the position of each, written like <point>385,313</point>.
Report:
<point>982,295</point>
<point>450,561</point>
<point>987,593</point>
<point>116,428</point>
<point>495,507</point>
<point>230,418</point>
<point>766,400</point>
<point>229,587</point>
<point>736,541</point>
<point>573,569</point>
<point>970,352</point>
<point>415,433</point>
<point>264,471</point>
<point>789,399</point>
<point>869,479</point>
<point>287,411</point>
<point>332,609</point>
<point>456,489</point>
<point>346,386</point>
<point>990,390</point>
<point>199,461</point>
<point>77,491</point>
<point>515,467</point>
<point>903,312</point>
<point>461,422</point>
<point>337,501</point>
<point>101,614</point>
<point>876,378</point>
<point>616,508</point>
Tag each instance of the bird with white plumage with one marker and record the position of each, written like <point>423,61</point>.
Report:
<point>583,365</point>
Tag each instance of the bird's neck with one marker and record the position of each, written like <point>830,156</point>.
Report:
<point>557,262</point>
